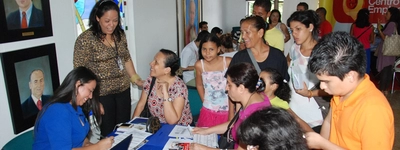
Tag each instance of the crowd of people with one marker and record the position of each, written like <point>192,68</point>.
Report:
<point>260,97</point>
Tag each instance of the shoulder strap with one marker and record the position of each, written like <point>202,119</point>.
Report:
<point>234,119</point>
<point>202,65</point>
<point>364,31</point>
<point>253,60</point>
<point>153,80</point>
<point>224,62</point>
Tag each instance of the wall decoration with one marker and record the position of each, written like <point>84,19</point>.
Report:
<point>22,20</point>
<point>30,75</point>
<point>191,18</point>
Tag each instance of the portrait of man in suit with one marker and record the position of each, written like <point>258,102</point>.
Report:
<point>37,100</point>
<point>27,16</point>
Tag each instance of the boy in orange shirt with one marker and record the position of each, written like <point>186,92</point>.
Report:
<point>360,115</point>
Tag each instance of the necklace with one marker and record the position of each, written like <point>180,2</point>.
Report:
<point>248,100</point>
<point>109,42</point>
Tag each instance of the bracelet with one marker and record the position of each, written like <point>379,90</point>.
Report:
<point>135,78</point>
<point>309,94</point>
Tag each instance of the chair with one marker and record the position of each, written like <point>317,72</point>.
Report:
<point>396,68</point>
<point>23,141</point>
<point>195,103</point>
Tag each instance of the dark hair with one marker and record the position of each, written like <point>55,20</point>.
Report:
<point>266,4</point>
<point>101,7</point>
<point>67,91</point>
<point>306,17</point>
<point>362,18</point>
<point>321,9</point>
<point>202,23</point>
<point>201,35</point>
<point>337,54</point>
<point>244,73</point>
<point>395,17</point>
<point>171,60</point>
<point>216,30</point>
<point>226,40</point>
<point>275,11</point>
<point>272,128</point>
<point>304,4</point>
<point>283,90</point>
<point>209,38</point>
<point>257,22</point>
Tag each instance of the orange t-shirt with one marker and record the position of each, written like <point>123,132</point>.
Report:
<point>363,121</point>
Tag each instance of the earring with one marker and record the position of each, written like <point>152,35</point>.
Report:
<point>310,30</point>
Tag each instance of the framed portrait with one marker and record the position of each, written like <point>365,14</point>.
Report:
<point>191,18</point>
<point>31,76</point>
<point>24,19</point>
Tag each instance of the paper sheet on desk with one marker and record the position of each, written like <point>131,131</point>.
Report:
<point>138,137</point>
<point>173,144</point>
<point>181,132</point>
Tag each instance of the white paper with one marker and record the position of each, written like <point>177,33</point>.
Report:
<point>137,138</point>
<point>180,131</point>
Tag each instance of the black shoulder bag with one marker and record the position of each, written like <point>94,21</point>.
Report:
<point>226,140</point>
<point>146,112</point>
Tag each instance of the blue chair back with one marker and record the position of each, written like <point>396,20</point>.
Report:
<point>194,102</point>
<point>23,141</point>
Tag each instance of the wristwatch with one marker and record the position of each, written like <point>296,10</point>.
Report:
<point>169,99</point>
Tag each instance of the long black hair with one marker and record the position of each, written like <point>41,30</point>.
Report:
<point>275,11</point>
<point>244,73</point>
<point>209,38</point>
<point>67,91</point>
<point>306,17</point>
<point>362,18</point>
<point>101,7</point>
<point>395,17</point>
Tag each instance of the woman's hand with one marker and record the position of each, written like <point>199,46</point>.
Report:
<point>139,83</point>
<point>203,131</point>
<point>304,91</point>
<point>163,87</point>
<point>106,143</point>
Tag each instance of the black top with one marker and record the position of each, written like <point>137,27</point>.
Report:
<point>275,60</point>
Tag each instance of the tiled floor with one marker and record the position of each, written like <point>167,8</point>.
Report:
<point>394,100</point>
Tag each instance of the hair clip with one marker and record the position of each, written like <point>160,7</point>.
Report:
<point>259,82</point>
<point>284,81</point>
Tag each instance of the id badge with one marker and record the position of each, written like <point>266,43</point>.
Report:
<point>119,63</point>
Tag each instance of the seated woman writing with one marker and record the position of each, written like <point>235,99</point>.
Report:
<point>168,99</point>
<point>63,122</point>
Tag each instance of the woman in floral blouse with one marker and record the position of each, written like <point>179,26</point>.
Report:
<point>168,99</point>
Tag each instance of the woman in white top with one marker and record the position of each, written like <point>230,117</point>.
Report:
<point>302,82</point>
<point>275,22</point>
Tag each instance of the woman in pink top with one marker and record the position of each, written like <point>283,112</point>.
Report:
<point>364,32</point>
<point>241,86</point>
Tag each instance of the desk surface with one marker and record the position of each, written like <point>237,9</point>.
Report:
<point>159,139</point>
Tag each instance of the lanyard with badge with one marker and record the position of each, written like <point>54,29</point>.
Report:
<point>117,58</point>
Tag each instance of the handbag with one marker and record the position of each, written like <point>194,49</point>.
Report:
<point>226,140</point>
<point>146,111</point>
<point>391,45</point>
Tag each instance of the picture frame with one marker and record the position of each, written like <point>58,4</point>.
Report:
<point>190,31</point>
<point>38,20</point>
<point>28,73</point>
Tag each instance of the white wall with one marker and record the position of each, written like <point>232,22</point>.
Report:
<point>152,25</point>
<point>223,13</point>
<point>64,36</point>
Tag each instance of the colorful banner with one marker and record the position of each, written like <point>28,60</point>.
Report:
<point>345,11</point>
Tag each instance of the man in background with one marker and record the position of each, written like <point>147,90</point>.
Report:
<point>36,101</point>
<point>27,16</point>
<point>325,27</point>
<point>189,56</point>
<point>203,26</point>
<point>302,6</point>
